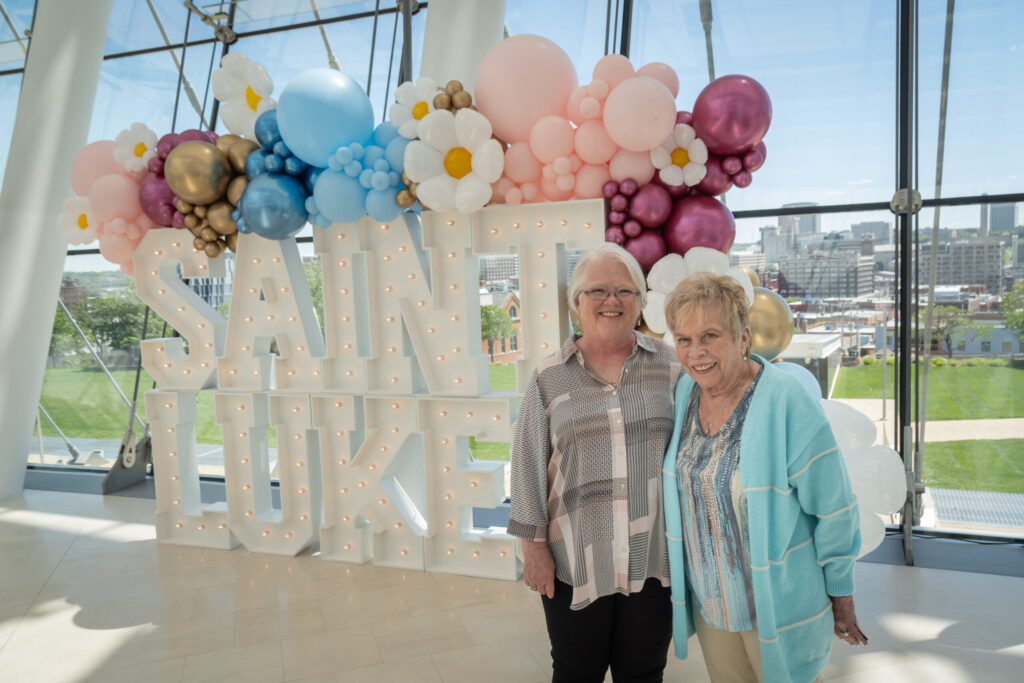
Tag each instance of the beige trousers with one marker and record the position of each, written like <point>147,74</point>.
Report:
<point>730,657</point>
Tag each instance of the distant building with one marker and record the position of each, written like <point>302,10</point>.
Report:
<point>773,245</point>
<point>882,230</point>
<point>803,224</point>
<point>973,261</point>
<point>750,259</point>
<point>499,267</point>
<point>822,276</point>
<point>506,348</point>
<point>1002,217</point>
<point>72,293</point>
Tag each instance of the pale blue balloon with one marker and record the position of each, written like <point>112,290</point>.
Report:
<point>267,132</point>
<point>385,133</point>
<point>806,378</point>
<point>381,205</point>
<point>339,197</point>
<point>274,205</point>
<point>395,153</point>
<point>321,110</point>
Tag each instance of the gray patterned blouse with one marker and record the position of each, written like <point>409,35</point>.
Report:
<point>586,468</point>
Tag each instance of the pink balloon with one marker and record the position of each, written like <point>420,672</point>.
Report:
<point>628,187</point>
<point>699,221</point>
<point>128,268</point>
<point>115,196</point>
<point>615,234</point>
<point>590,179</point>
<point>716,181</point>
<point>499,188</point>
<point>613,69</point>
<point>732,114</point>
<point>166,144</point>
<point>676,191</point>
<point>194,134</point>
<point>662,72</point>
<point>684,117</point>
<point>553,191</point>
<point>520,81</point>
<point>572,107</point>
<point>617,217</point>
<point>639,114</point>
<point>593,143</point>
<point>742,178</point>
<point>520,164</point>
<point>117,247</point>
<point>731,164</point>
<point>157,199</point>
<point>93,161</point>
<point>610,189</point>
<point>550,138</point>
<point>651,205</point>
<point>636,165</point>
<point>648,248</point>
<point>754,158</point>
<point>632,228</point>
<point>619,202</point>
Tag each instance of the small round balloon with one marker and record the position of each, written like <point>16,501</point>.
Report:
<point>699,221</point>
<point>648,248</point>
<point>651,205</point>
<point>198,172</point>
<point>771,323</point>
<point>732,114</point>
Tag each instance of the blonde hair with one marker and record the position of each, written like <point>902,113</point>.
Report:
<point>606,250</point>
<point>706,290</point>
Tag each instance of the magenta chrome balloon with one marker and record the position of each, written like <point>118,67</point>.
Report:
<point>699,221</point>
<point>732,114</point>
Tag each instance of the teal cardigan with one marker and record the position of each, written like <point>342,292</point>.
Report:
<point>803,521</point>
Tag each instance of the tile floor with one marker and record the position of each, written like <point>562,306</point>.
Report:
<point>86,594</point>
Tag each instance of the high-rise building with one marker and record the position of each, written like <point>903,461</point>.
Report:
<point>820,276</point>
<point>802,224</point>
<point>499,267</point>
<point>882,230</point>
<point>773,245</point>
<point>973,261</point>
<point>1002,217</point>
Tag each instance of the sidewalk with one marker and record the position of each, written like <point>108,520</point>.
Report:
<point>938,430</point>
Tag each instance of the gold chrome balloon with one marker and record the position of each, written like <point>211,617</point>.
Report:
<point>197,172</point>
<point>219,217</point>
<point>771,323</point>
<point>224,142</point>
<point>239,151</point>
<point>235,189</point>
<point>754,279</point>
<point>643,329</point>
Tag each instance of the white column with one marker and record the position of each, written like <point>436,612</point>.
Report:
<point>457,35</point>
<point>57,94</point>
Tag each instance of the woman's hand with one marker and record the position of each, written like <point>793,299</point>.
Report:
<point>539,567</point>
<point>846,627</point>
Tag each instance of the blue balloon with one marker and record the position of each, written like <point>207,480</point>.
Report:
<point>805,376</point>
<point>255,163</point>
<point>339,197</point>
<point>395,153</point>
<point>321,110</point>
<point>385,133</point>
<point>310,174</point>
<point>267,133</point>
<point>381,205</point>
<point>274,206</point>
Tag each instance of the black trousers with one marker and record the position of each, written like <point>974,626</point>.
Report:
<point>630,633</point>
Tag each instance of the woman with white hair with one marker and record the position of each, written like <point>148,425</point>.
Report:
<point>595,421</point>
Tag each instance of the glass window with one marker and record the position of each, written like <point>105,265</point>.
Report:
<point>10,87</point>
<point>1007,347</point>
<point>13,41</point>
<point>986,347</point>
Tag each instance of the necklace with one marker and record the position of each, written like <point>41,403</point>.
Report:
<point>718,411</point>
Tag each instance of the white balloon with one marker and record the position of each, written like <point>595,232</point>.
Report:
<point>878,479</point>
<point>737,274</point>
<point>872,532</point>
<point>668,272</point>
<point>704,259</point>
<point>805,376</point>
<point>654,312</point>
<point>853,429</point>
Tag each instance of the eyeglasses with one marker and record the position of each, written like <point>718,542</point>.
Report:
<point>600,294</point>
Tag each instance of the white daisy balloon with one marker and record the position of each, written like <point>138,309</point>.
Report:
<point>413,101</point>
<point>681,158</point>
<point>76,221</point>
<point>455,161</point>
<point>135,147</point>
<point>243,87</point>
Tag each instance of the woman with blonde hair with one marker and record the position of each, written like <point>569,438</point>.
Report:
<point>762,524</point>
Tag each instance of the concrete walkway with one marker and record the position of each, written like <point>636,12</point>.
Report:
<point>939,430</point>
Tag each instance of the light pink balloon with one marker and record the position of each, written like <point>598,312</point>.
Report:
<point>593,144</point>
<point>590,179</point>
<point>520,164</point>
<point>553,192</point>
<point>639,114</point>
<point>118,247</point>
<point>550,138</point>
<point>572,107</point>
<point>520,81</point>
<point>500,188</point>
<point>613,69</point>
<point>662,72</point>
<point>93,161</point>
<point>635,165</point>
<point>115,196</point>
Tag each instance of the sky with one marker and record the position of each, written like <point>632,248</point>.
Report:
<point>829,67</point>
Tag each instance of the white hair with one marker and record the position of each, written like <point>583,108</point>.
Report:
<point>607,250</point>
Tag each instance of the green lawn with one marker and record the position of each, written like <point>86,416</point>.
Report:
<point>980,465</point>
<point>954,393</point>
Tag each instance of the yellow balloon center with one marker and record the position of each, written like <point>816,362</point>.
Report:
<point>419,110</point>
<point>140,149</point>
<point>83,221</point>
<point>458,162</point>
<point>251,98</point>
<point>680,157</point>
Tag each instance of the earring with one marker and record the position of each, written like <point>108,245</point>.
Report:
<point>640,321</point>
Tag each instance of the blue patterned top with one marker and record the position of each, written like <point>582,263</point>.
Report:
<point>715,533</point>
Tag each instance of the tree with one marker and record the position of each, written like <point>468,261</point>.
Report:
<point>1013,308</point>
<point>951,325</point>
<point>314,276</point>
<point>63,338</point>
<point>494,323</point>
<point>114,321</point>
